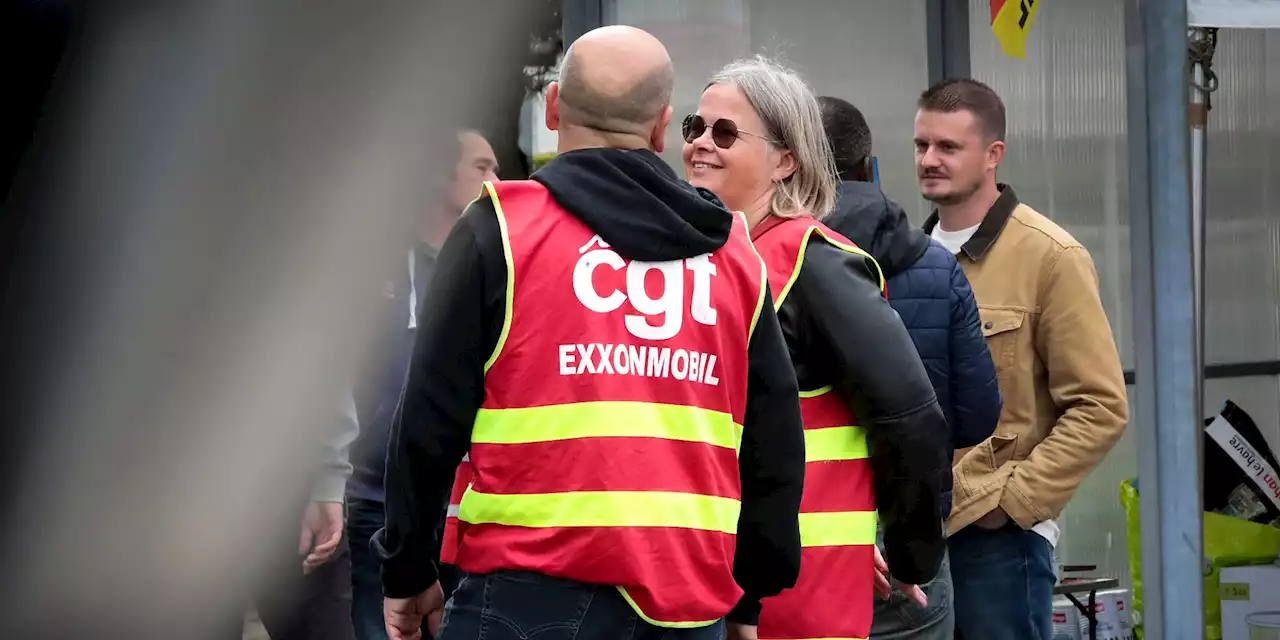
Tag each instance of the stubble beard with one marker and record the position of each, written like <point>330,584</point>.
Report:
<point>954,197</point>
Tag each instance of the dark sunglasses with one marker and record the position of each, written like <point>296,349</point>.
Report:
<point>724,132</point>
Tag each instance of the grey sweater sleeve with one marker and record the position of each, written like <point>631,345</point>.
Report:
<point>331,478</point>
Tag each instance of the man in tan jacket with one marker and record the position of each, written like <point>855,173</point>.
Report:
<point>1056,361</point>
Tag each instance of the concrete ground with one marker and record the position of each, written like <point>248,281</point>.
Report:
<point>253,629</point>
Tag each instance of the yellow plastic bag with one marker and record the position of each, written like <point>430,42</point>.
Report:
<point>1228,542</point>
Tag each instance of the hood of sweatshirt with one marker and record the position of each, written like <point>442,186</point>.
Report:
<point>636,203</point>
<point>865,215</point>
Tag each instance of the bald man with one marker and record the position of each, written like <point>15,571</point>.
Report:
<point>600,358</point>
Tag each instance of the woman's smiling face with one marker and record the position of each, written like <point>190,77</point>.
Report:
<point>742,174</point>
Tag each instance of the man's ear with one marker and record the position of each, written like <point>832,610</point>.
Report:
<point>995,154</point>
<point>658,136</point>
<point>553,107</point>
<point>868,170</point>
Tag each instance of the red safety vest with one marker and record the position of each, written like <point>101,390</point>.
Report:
<point>833,597</point>
<point>606,448</point>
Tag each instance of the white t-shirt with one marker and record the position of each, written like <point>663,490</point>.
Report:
<point>954,241</point>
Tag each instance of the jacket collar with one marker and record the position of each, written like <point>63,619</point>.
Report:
<point>990,227</point>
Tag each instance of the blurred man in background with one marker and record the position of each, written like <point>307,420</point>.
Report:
<point>931,294</point>
<point>379,391</point>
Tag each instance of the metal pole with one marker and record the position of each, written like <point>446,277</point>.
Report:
<point>1168,389</point>
<point>1201,43</point>
<point>1199,116</point>
<point>1151,615</point>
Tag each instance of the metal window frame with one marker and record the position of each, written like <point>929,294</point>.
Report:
<point>580,16</point>
<point>1223,370</point>
<point>947,35</point>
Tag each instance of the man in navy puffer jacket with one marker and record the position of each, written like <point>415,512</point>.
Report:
<point>930,292</point>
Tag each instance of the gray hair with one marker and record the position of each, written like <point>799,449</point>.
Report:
<point>790,112</point>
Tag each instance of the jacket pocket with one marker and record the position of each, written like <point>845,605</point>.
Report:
<point>988,457</point>
<point>999,450</point>
<point>1001,329</point>
<point>980,466</point>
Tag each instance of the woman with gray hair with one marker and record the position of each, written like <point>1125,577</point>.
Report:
<point>757,141</point>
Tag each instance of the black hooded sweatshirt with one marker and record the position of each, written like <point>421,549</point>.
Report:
<point>635,202</point>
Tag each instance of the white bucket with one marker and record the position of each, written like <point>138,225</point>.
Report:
<point>1113,618</point>
<point>1066,620</point>
<point>1264,625</point>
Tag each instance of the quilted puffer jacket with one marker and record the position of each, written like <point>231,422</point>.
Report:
<point>930,292</point>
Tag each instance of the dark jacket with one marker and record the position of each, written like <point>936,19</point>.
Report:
<point>634,201</point>
<point>842,333</point>
<point>930,292</point>
<point>378,390</point>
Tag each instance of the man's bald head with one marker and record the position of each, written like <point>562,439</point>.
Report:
<point>615,79</point>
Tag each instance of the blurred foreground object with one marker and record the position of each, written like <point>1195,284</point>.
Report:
<point>211,185</point>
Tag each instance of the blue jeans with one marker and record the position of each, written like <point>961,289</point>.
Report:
<point>900,619</point>
<point>515,605</point>
<point>364,518</point>
<point>1003,584</point>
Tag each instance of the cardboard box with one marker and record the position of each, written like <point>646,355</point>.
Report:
<point>1251,602</point>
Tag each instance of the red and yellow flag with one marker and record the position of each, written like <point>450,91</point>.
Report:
<point>1011,21</point>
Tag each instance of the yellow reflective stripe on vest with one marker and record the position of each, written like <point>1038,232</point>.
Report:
<point>603,509</point>
<point>837,529</point>
<point>764,276</point>
<point>659,623</point>
<point>604,420</point>
<point>816,392</point>
<point>510,294</point>
<point>857,250</point>
<point>835,443</point>
<point>804,244</point>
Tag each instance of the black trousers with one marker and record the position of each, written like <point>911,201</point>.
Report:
<point>316,606</point>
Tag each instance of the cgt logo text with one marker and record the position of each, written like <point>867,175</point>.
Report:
<point>667,309</point>
<point>655,318</point>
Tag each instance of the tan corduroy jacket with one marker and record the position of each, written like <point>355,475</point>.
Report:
<point>1064,392</point>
